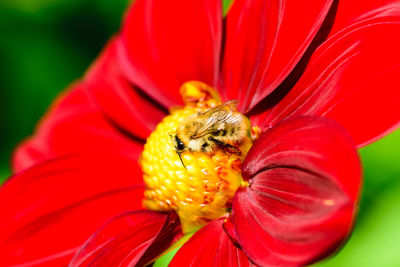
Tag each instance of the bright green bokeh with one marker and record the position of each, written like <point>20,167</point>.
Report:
<point>226,4</point>
<point>47,44</point>
<point>44,46</point>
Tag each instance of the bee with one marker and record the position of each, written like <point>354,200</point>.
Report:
<point>221,127</point>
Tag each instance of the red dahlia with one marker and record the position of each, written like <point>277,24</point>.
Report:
<point>319,80</point>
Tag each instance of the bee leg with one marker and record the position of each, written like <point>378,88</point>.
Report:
<point>179,154</point>
<point>225,146</point>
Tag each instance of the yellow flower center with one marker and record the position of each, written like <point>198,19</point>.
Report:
<point>197,182</point>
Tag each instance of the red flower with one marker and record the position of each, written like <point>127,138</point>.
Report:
<point>295,69</point>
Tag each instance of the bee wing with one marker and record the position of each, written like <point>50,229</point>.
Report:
<point>227,106</point>
<point>218,117</point>
<point>230,105</point>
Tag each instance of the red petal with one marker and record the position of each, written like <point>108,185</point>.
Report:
<point>229,228</point>
<point>48,211</point>
<point>352,78</point>
<point>73,126</point>
<point>265,39</point>
<point>350,12</point>
<point>132,239</point>
<point>210,246</point>
<point>166,43</point>
<point>118,99</point>
<point>304,179</point>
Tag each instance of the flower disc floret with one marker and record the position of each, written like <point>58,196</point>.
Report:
<point>199,186</point>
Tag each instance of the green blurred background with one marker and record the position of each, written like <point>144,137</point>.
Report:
<point>47,44</point>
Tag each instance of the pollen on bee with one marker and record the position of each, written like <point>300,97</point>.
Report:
<point>202,189</point>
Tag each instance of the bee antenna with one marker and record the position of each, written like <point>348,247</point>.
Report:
<point>179,154</point>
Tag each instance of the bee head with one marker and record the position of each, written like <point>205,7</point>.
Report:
<point>179,145</point>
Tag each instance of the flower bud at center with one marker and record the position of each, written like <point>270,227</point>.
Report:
<point>197,182</point>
